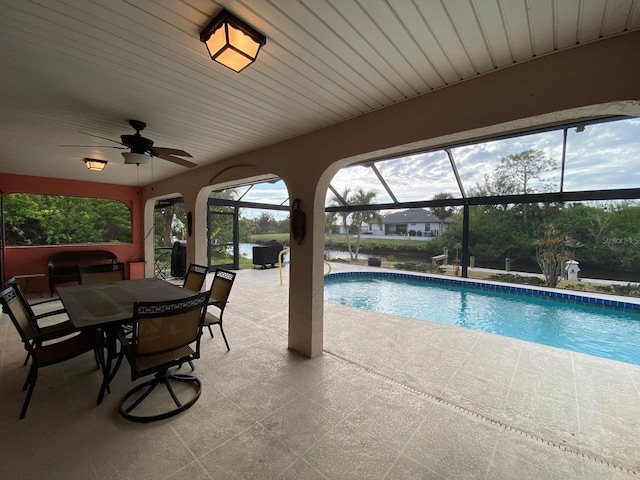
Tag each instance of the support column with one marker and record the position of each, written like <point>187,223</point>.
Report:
<point>306,283</point>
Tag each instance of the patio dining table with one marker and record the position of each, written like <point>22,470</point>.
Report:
<point>110,305</point>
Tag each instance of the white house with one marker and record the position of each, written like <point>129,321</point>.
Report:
<point>416,222</point>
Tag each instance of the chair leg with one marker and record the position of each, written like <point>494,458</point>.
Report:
<point>96,356</point>
<point>190,364</point>
<point>161,377</point>
<point>27,381</point>
<point>224,336</point>
<point>210,331</point>
<point>33,376</point>
<point>150,385</point>
<point>26,360</point>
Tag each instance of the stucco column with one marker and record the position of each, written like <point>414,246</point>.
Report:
<point>306,281</point>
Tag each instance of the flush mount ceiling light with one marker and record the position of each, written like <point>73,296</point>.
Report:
<point>131,158</point>
<point>232,42</point>
<point>93,164</point>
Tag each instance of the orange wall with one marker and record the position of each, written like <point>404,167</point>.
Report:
<point>27,260</point>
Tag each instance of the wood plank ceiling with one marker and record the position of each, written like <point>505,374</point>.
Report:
<point>76,67</point>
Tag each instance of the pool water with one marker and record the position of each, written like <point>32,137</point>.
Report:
<point>596,331</point>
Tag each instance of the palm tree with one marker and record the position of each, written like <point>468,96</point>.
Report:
<point>344,216</point>
<point>360,197</point>
<point>329,219</point>
<point>442,213</point>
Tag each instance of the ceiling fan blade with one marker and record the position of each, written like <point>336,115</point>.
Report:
<point>94,146</point>
<point>103,138</point>
<point>171,158</point>
<point>170,151</point>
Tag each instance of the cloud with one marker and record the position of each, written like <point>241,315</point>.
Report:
<point>603,156</point>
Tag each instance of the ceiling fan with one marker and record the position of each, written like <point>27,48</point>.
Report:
<point>141,148</point>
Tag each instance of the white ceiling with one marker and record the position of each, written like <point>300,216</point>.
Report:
<point>72,66</point>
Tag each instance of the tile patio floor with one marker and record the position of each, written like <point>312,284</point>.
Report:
<point>390,398</point>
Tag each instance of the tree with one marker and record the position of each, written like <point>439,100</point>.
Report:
<point>344,216</point>
<point>266,223</point>
<point>552,250</point>
<point>329,221</point>
<point>515,175</point>
<point>444,212</point>
<point>517,171</point>
<point>34,219</point>
<point>360,197</point>
<point>493,236</point>
<point>169,223</point>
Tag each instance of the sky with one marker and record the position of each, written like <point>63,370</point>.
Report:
<point>603,156</point>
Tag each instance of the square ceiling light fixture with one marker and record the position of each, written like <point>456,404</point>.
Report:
<point>93,164</point>
<point>232,42</point>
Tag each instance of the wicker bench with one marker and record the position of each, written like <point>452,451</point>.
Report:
<point>63,266</point>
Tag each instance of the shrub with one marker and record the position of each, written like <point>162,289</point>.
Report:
<point>419,267</point>
<point>511,278</point>
<point>626,290</point>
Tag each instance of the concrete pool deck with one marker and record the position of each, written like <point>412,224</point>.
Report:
<point>390,398</point>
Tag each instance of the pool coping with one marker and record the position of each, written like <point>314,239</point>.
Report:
<point>606,301</point>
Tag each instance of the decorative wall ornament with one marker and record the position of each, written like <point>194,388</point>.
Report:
<point>298,222</point>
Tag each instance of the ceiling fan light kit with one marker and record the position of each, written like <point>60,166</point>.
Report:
<point>232,42</point>
<point>131,158</point>
<point>94,164</point>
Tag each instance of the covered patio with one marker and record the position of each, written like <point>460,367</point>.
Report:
<point>389,397</point>
<point>309,389</point>
<point>337,93</point>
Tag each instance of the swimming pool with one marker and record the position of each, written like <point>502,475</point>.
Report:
<point>597,326</point>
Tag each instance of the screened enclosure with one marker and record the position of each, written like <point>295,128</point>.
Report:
<point>485,204</point>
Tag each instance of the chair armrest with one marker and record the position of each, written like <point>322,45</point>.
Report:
<point>35,306</point>
<point>39,338</point>
<point>213,301</point>
<point>42,302</point>
<point>50,314</point>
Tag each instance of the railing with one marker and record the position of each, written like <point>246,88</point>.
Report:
<point>162,262</point>
<point>282,252</point>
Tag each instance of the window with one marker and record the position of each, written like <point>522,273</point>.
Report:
<point>35,219</point>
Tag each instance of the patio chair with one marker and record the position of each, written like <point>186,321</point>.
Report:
<point>195,277</point>
<point>218,298</point>
<point>165,335</point>
<point>101,273</point>
<point>46,332</point>
<point>50,354</point>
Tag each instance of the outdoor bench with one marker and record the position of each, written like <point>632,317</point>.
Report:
<point>64,266</point>
<point>437,258</point>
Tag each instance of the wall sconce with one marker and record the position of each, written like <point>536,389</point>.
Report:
<point>232,42</point>
<point>93,164</point>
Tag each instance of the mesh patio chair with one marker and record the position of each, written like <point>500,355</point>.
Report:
<point>101,273</point>
<point>195,277</point>
<point>45,330</point>
<point>165,335</point>
<point>218,298</point>
<point>50,354</point>
<point>52,306</point>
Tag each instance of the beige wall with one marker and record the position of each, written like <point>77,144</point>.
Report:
<point>593,80</point>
